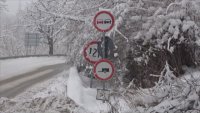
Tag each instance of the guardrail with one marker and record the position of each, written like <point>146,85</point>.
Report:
<point>14,57</point>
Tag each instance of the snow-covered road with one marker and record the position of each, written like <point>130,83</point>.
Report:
<point>14,67</point>
<point>16,75</point>
<point>17,84</point>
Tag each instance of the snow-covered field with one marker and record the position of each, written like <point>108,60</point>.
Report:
<point>13,67</point>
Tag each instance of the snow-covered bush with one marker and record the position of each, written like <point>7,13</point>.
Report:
<point>165,36</point>
<point>177,94</point>
<point>170,94</point>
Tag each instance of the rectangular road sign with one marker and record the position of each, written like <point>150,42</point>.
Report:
<point>103,94</point>
<point>32,39</point>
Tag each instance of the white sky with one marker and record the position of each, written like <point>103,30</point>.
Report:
<point>13,5</point>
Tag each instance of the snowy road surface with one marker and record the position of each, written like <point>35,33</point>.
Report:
<point>14,67</point>
<point>13,86</point>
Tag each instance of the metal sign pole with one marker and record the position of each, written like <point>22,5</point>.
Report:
<point>91,80</point>
<point>104,56</point>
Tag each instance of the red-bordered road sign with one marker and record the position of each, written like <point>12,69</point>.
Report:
<point>91,52</point>
<point>104,69</point>
<point>104,21</point>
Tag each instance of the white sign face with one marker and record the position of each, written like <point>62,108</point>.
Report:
<point>104,69</point>
<point>91,52</point>
<point>103,21</point>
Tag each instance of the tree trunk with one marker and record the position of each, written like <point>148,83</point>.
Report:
<point>50,46</point>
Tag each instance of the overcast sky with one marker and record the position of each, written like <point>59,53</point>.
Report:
<point>13,5</point>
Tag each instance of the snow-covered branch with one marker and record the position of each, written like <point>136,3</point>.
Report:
<point>47,11</point>
<point>172,4</point>
<point>97,6</point>
<point>70,17</point>
<point>127,40</point>
<point>58,31</point>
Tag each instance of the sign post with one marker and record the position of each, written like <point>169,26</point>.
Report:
<point>97,54</point>
<point>91,54</point>
<point>104,69</point>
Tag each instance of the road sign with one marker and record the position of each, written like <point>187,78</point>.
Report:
<point>103,94</point>
<point>103,69</point>
<point>91,52</point>
<point>32,39</point>
<point>104,21</point>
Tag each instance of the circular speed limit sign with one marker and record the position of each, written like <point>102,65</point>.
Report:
<point>103,21</point>
<point>104,69</point>
<point>91,52</point>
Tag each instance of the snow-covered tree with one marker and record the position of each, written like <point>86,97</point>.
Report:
<point>10,43</point>
<point>60,21</point>
<point>43,22</point>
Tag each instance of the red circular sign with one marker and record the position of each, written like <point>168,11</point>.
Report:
<point>104,21</point>
<point>104,69</point>
<point>91,52</point>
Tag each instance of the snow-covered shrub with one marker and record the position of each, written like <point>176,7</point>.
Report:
<point>170,95</point>
<point>165,36</point>
<point>177,94</point>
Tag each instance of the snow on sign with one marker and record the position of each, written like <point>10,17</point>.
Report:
<point>103,21</point>
<point>103,69</point>
<point>91,53</point>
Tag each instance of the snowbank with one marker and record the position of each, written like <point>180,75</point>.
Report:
<point>55,86</point>
<point>52,104</point>
<point>47,97</point>
<point>85,97</point>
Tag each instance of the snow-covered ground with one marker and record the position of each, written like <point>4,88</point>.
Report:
<point>84,96</point>
<point>13,67</point>
<point>46,97</point>
<point>67,92</point>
